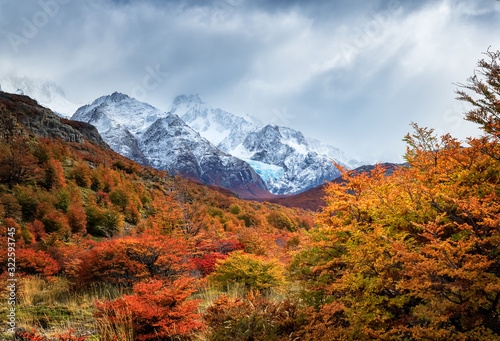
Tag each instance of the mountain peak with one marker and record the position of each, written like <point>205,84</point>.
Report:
<point>118,97</point>
<point>272,126</point>
<point>115,97</point>
<point>189,99</point>
<point>272,130</point>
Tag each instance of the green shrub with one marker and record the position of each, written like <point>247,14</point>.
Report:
<point>103,222</point>
<point>214,211</point>
<point>235,209</point>
<point>63,200</point>
<point>28,200</point>
<point>120,198</point>
<point>249,270</point>
<point>281,221</point>
<point>250,219</point>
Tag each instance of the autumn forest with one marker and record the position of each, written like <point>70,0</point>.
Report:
<point>106,249</point>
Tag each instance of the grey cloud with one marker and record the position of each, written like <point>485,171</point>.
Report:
<point>354,73</point>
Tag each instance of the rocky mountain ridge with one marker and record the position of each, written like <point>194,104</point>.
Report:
<point>287,161</point>
<point>21,115</point>
<point>151,137</point>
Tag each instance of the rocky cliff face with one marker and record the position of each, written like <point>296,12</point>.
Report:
<point>21,115</point>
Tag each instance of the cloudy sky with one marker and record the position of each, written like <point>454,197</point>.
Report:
<point>353,73</point>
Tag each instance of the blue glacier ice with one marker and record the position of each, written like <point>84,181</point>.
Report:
<point>266,171</point>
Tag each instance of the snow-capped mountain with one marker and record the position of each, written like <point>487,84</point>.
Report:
<point>287,149</point>
<point>220,127</point>
<point>46,93</point>
<point>287,161</point>
<point>120,120</point>
<point>150,136</point>
<point>170,144</point>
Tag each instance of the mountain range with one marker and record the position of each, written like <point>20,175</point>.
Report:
<point>200,142</point>
<point>288,162</point>
<point>151,137</point>
<point>22,116</point>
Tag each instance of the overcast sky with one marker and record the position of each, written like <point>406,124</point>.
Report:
<point>349,72</point>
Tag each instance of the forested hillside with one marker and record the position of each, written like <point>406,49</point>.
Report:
<point>85,217</point>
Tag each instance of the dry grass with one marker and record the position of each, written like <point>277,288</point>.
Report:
<point>209,294</point>
<point>52,308</point>
<point>115,325</point>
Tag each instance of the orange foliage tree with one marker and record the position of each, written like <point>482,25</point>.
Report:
<point>32,262</point>
<point>414,255</point>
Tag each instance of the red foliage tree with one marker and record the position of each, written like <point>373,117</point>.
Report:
<point>160,310</point>
<point>77,218</point>
<point>33,262</point>
<point>208,252</point>
<point>206,264</point>
<point>53,220</point>
<point>18,163</point>
<point>37,229</point>
<point>128,260</point>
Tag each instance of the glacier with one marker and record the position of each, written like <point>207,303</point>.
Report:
<point>266,171</point>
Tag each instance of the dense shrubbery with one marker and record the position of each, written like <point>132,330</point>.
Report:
<point>81,214</point>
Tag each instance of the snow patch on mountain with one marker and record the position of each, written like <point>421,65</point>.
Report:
<point>220,127</point>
